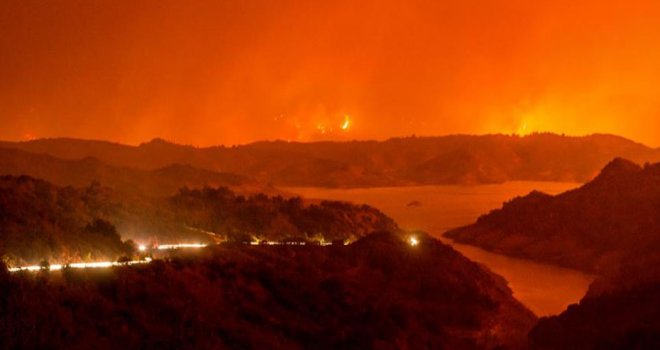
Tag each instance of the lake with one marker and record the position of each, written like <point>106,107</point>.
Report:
<point>544,289</point>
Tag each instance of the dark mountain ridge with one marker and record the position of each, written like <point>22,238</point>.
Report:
<point>162,181</point>
<point>400,161</point>
<point>589,228</point>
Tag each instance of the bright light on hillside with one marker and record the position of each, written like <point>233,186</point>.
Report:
<point>181,245</point>
<point>413,241</point>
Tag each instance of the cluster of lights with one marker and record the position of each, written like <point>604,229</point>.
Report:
<point>106,264</point>
<point>143,248</point>
<point>321,243</point>
<point>89,265</point>
<point>179,246</point>
<point>276,243</point>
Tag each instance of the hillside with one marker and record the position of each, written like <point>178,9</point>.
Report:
<point>81,172</point>
<point>39,220</point>
<point>378,292</point>
<point>459,159</point>
<point>275,218</point>
<point>620,311</point>
<point>589,228</point>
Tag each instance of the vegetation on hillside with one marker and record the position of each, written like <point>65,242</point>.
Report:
<point>379,292</point>
<point>39,220</point>
<point>275,218</point>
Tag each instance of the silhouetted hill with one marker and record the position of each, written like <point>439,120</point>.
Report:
<point>400,161</point>
<point>275,218</point>
<point>159,182</point>
<point>620,311</point>
<point>378,293</point>
<point>39,220</point>
<point>589,228</point>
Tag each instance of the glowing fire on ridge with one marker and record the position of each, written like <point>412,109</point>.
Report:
<point>347,123</point>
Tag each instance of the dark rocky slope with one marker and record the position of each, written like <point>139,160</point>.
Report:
<point>620,311</point>
<point>378,293</point>
<point>589,228</point>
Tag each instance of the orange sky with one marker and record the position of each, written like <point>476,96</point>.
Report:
<point>204,72</point>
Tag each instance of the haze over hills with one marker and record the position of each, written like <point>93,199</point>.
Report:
<point>163,181</point>
<point>377,293</point>
<point>589,228</point>
<point>458,159</point>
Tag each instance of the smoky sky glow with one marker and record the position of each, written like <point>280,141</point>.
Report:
<point>227,72</point>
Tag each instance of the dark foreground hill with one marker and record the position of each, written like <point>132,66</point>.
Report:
<point>377,293</point>
<point>589,228</point>
<point>39,220</point>
<point>459,159</point>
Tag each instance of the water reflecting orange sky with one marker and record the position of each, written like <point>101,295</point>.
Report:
<point>544,289</point>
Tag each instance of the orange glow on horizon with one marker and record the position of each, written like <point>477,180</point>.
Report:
<point>221,72</point>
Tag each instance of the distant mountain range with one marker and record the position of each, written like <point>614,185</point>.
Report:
<point>458,159</point>
<point>590,228</point>
<point>82,172</point>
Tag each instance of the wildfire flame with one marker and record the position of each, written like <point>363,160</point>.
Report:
<point>347,123</point>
